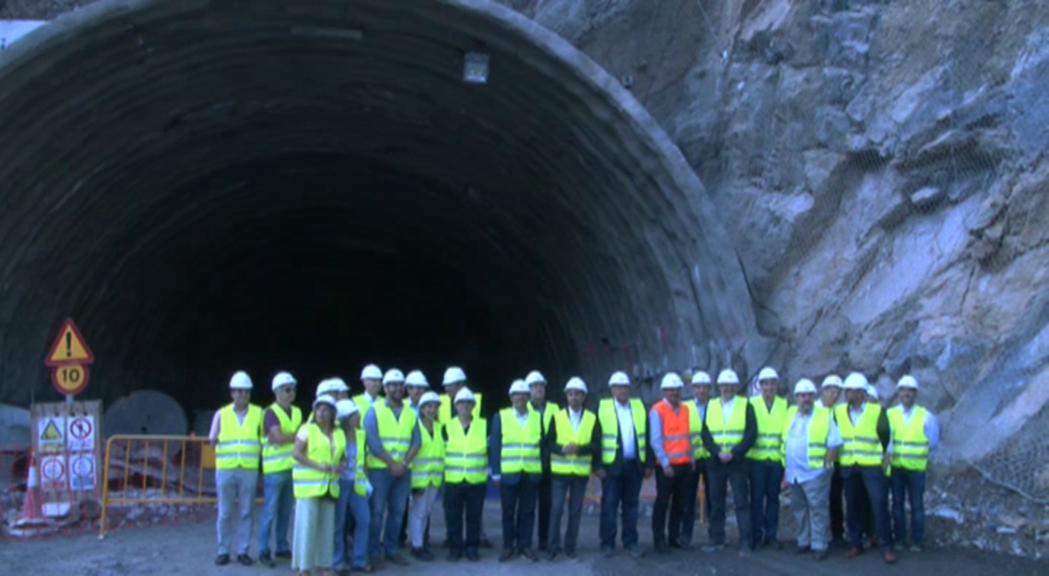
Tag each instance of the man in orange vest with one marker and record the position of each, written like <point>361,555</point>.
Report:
<point>672,424</point>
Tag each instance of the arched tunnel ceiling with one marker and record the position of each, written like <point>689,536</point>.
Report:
<point>207,186</point>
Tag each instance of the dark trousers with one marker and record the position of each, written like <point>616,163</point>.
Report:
<point>871,479</point>
<point>765,480</point>
<point>688,521</point>
<point>837,511</point>
<point>736,474</point>
<point>463,500</point>
<point>518,501</point>
<point>672,494</point>
<point>621,490</point>
<point>910,485</point>
<point>573,489</point>
<point>543,535</point>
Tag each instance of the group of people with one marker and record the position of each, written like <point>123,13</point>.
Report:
<point>368,470</point>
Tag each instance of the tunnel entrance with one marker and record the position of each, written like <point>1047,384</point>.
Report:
<point>212,186</point>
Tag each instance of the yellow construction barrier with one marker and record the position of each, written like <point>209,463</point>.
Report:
<point>156,470</point>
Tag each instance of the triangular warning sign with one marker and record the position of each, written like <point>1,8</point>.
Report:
<point>70,347</point>
<point>51,432</point>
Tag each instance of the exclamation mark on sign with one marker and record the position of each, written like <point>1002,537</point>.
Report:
<point>69,344</point>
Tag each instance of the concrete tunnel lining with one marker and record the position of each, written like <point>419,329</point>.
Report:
<point>208,186</point>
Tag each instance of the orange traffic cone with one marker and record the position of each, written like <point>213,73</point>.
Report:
<point>32,521</point>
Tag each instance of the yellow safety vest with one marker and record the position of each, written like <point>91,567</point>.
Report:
<point>606,414</point>
<point>910,446</point>
<point>394,433</point>
<point>428,466</point>
<point>466,454</point>
<point>862,446</point>
<point>578,465</point>
<point>310,483</point>
<point>445,413</point>
<point>727,437</point>
<point>700,451</point>
<point>770,429</point>
<point>519,452</point>
<point>819,431</point>
<point>239,445</point>
<point>360,478</point>
<point>276,458</point>
<point>549,410</point>
<point>364,403</point>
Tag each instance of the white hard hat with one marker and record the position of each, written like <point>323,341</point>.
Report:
<point>576,383</point>
<point>907,381</point>
<point>768,373</point>
<point>671,381</point>
<point>728,376</point>
<point>283,379</point>
<point>338,385</point>
<point>464,395</point>
<point>872,392</point>
<point>855,381</point>
<point>393,376</point>
<point>519,387</point>
<point>804,386</point>
<point>345,408</point>
<point>417,379</point>
<point>453,375</point>
<point>326,386</point>
<point>325,399</point>
<point>535,377</point>
<point>371,372</point>
<point>428,397</point>
<point>240,381</point>
<point>831,381</point>
<point>701,377</point>
<point>619,379</point>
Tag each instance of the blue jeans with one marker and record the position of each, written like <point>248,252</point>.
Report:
<point>276,510</point>
<point>623,489</point>
<point>573,489</point>
<point>872,479</point>
<point>388,503</point>
<point>913,483</point>
<point>765,480</point>
<point>356,508</point>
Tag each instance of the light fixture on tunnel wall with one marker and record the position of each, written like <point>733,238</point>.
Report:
<point>475,68</point>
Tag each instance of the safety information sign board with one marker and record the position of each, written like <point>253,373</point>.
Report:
<point>81,434</point>
<point>82,472</point>
<point>53,472</point>
<point>51,434</point>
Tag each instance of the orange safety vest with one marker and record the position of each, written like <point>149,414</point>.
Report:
<point>677,431</point>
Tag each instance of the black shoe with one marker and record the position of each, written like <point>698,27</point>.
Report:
<point>266,559</point>
<point>506,556</point>
<point>473,556</point>
<point>454,555</point>
<point>283,554</point>
<point>245,560</point>
<point>553,555</point>
<point>398,560</point>
<point>608,551</point>
<point>571,555</point>
<point>422,554</point>
<point>528,553</point>
<point>367,569</point>
<point>222,559</point>
<point>822,554</point>
<point>802,550</point>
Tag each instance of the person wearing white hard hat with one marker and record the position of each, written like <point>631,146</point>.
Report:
<point>766,463</point>
<point>625,462</point>
<point>339,389</point>
<point>574,445</point>
<point>320,458</point>
<point>702,389</point>
<point>280,422</point>
<point>427,475</point>
<point>515,448</point>
<point>416,384</point>
<point>914,432</point>
<point>392,432</point>
<point>371,378</point>
<point>830,396</point>
<point>675,427</point>
<point>236,435</point>
<point>865,430</point>
<point>537,389</point>
<point>465,477</point>
<point>729,432</point>
<point>810,444</point>
<point>353,511</point>
<point>453,381</point>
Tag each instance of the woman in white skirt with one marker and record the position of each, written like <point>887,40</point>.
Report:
<point>320,456</point>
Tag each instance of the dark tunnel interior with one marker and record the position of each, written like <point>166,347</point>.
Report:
<point>214,186</point>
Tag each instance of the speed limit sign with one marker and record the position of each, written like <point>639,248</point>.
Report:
<point>70,378</point>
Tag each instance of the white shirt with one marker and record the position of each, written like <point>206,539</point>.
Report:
<point>798,470</point>
<point>626,429</point>
<point>522,419</point>
<point>726,410</point>
<point>576,418</point>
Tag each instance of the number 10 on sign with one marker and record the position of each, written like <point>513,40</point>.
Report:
<point>70,378</point>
